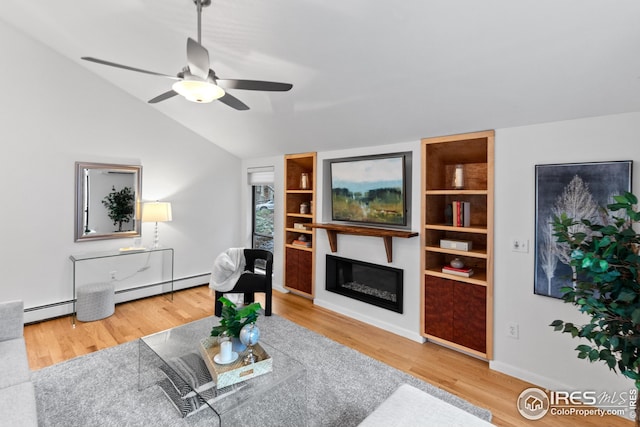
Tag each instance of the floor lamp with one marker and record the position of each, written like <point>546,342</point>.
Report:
<point>156,212</point>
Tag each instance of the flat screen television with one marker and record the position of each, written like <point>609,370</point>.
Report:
<point>370,189</point>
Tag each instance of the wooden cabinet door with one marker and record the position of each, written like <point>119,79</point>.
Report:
<point>470,316</point>
<point>299,270</point>
<point>291,268</point>
<point>305,271</point>
<point>456,311</point>
<point>438,307</point>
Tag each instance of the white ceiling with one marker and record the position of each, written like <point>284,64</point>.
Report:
<point>364,72</point>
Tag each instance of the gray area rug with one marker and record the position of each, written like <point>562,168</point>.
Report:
<point>101,389</point>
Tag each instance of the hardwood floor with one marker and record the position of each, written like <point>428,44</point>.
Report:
<point>55,340</point>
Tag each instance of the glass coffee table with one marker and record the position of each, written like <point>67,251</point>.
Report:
<point>277,398</point>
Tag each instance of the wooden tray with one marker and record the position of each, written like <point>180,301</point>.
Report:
<point>226,375</point>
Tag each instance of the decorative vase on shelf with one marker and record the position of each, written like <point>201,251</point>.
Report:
<point>304,181</point>
<point>458,177</point>
<point>457,263</point>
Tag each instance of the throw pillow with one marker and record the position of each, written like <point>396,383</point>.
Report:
<point>188,374</point>
<point>185,406</point>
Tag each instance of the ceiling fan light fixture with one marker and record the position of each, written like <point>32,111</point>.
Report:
<point>198,91</point>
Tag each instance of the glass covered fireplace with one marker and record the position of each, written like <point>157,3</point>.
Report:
<point>371,283</point>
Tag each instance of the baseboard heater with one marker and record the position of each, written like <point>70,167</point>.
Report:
<point>121,291</point>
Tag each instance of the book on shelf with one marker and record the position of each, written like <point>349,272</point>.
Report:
<point>464,272</point>
<point>299,226</point>
<point>461,213</point>
<point>301,243</point>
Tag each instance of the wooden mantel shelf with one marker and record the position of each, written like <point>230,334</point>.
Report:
<point>386,233</point>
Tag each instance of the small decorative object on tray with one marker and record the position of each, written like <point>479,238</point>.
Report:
<point>231,373</point>
<point>464,272</point>
<point>226,355</point>
<point>249,336</point>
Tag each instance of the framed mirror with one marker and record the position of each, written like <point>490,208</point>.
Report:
<point>107,201</point>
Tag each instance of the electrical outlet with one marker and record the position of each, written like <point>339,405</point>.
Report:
<point>112,274</point>
<point>519,244</point>
<point>513,330</point>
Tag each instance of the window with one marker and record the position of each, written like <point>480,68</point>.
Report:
<point>263,217</point>
<point>261,181</point>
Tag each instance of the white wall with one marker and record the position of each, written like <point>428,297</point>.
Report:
<point>540,355</point>
<point>406,253</point>
<point>54,113</point>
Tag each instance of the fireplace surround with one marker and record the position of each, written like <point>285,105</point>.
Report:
<point>370,283</point>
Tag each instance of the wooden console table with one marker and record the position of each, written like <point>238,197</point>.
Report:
<point>386,233</point>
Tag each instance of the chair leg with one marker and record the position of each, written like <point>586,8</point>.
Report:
<point>249,297</point>
<point>267,301</point>
<point>218,305</point>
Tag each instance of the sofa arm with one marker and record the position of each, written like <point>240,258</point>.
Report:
<point>11,320</point>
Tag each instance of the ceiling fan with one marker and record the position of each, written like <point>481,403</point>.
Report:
<point>197,82</point>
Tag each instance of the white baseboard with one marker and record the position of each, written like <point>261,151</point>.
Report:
<point>279,288</point>
<point>538,380</point>
<point>412,335</point>
<point>48,312</point>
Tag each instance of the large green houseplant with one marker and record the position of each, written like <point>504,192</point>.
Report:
<point>606,285</point>
<point>233,320</point>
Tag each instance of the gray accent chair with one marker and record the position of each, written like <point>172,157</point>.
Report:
<point>16,389</point>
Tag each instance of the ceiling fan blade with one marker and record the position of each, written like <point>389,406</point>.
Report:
<point>197,59</point>
<point>233,102</point>
<point>162,97</point>
<point>126,67</point>
<point>253,85</point>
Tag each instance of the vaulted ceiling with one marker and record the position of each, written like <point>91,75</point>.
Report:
<point>364,72</point>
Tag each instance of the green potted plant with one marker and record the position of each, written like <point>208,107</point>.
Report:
<point>606,286</point>
<point>233,320</point>
<point>120,205</point>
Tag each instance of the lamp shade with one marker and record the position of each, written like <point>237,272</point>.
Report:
<point>156,212</point>
<point>198,91</point>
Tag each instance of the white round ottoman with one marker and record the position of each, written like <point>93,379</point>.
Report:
<point>95,301</point>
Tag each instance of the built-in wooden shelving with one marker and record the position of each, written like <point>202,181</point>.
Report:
<point>299,260</point>
<point>458,311</point>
